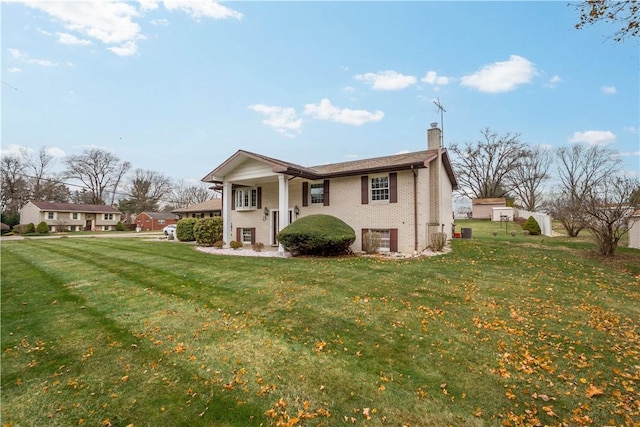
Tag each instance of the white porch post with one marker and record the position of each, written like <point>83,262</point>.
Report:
<point>226,213</point>
<point>283,205</point>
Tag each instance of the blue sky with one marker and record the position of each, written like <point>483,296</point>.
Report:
<point>178,86</point>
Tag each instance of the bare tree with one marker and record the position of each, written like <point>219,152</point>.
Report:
<point>581,169</point>
<point>528,176</point>
<point>625,14</point>
<point>45,185</point>
<point>184,194</point>
<point>483,168</point>
<point>146,190</point>
<point>99,171</point>
<point>15,187</point>
<point>607,209</point>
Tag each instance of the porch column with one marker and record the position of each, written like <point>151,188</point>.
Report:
<point>226,213</point>
<point>283,205</point>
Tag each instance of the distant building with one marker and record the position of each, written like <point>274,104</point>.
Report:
<point>71,216</point>
<point>483,208</point>
<point>154,221</point>
<point>207,209</point>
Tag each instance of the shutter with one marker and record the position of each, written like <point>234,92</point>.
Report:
<point>393,239</point>
<point>253,235</point>
<point>233,200</point>
<point>393,187</point>
<point>364,189</point>
<point>305,194</point>
<point>238,234</point>
<point>326,192</point>
<point>259,197</point>
<point>364,231</point>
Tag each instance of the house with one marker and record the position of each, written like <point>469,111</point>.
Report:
<point>483,208</point>
<point>405,197</point>
<point>154,221</point>
<point>70,216</point>
<point>207,209</point>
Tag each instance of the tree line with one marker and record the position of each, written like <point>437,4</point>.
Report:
<point>579,185</point>
<point>95,176</point>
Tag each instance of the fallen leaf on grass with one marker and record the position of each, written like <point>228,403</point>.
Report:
<point>593,391</point>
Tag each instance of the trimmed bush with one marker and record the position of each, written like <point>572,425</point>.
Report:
<point>42,228</point>
<point>258,246</point>
<point>532,226</point>
<point>184,229</point>
<point>119,226</point>
<point>235,244</point>
<point>207,231</point>
<point>218,244</point>
<point>29,228</point>
<point>322,235</point>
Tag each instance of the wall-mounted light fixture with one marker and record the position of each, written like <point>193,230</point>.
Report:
<point>265,213</point>
<point>296,210</point>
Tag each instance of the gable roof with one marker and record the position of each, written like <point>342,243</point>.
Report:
<point>418,159</point>
<point>159,215</point>
<point>209,205</point>
<point>73,207</point>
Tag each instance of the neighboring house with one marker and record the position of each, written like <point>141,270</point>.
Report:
<point>154,221</point>
<point>634,230</point>
<point>405,197</point>
<point>207,209</point>
<point>70,216</point>
<point>483,208</point>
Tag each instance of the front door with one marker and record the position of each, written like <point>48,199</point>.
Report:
<point>88,225</point>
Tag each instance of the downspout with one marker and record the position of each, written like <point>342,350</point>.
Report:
<point>415,209</point>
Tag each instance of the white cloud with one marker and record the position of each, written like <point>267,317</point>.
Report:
<point>387,80</point>
<point>553,81</point>
<point>148,5</point>
<point>202,9</point>
<point>433,78</point>
<point>55,152</point>
<point>24,57</point>
<point>14,70</point>
<point>502,76</point>
<point>70,39</point>
<point>282,119</point>
<point>160,22</point>
<point>327,111</point>
<point>126,49</point>
<point>593,137</point>
<point>348,89</point>
<point>608,90</point>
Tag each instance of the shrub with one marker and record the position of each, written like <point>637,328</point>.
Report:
<point>322,235</point>
<point>532,226</point>
<point>42,228</point>
<point>438,240</point>
<point>29,228</point>
<point>207,231</point>
<point>218,244</point>
<point>258,246</point>
<point>184,229</point>
<point>371,242</point>
<point>119,226</point>
<point>235,244</point>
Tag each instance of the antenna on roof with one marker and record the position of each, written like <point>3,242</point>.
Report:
<point>442,110</point>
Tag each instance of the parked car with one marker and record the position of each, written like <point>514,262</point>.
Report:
<point>169,229</point>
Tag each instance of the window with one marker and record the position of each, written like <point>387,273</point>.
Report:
<point>379,188</point>
<point>49,215</point>
<point>317,193</point>
<point>74,215</point>
<point>246,235</point>
<point>73,228</point>
<point>385,239</point>
<point>161,222</point>
<point>108,216</point>
<point>246,199</point>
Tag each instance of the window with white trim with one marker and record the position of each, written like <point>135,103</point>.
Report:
<point>316,192</point>
<point>385,238</point>
<point>50,215</point>
<point>380,188</point>
<point>246,199</point>
<point>246,235</point>
<point>74,215</point>
<point>108,217</point>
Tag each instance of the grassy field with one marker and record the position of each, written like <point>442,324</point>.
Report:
<point>502,330</point>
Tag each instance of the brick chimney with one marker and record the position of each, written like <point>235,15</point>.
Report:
<point>434,137</point>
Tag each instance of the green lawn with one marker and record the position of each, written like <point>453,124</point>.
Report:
<point>503,330</point>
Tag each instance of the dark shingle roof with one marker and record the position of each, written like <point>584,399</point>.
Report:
<point>159,215</point>
<point>209,205</point>
<point>74,207</point>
